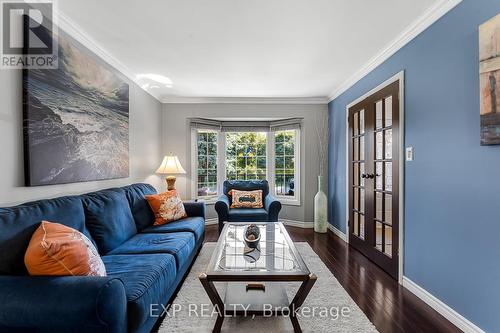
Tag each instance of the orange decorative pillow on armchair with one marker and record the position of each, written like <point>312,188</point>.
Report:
<point>167,207</point>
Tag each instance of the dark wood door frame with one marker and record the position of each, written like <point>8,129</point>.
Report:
<point>400,149</point>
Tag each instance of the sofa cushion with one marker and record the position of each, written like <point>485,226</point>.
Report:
<point>17,225</point>
<point>247,215</point>
<point>58,250</point>
<point>196,225</point>
<point>178,244</point>
<point>108,218</point>
<point>147,278</point>
<point>142,213</point>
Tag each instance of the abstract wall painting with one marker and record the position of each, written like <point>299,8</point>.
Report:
<point>489,68</point>
<point>76,119</point>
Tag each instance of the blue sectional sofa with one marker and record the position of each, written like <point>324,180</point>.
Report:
<point>145,263</point>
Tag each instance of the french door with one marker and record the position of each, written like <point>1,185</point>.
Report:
<point>374,177</point>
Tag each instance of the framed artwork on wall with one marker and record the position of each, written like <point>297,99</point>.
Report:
<point>75,119</point>
<point>489,68</point>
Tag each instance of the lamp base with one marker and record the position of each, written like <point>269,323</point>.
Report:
<point>170,182</point>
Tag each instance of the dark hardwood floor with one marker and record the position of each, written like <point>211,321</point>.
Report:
<point>389,306</point>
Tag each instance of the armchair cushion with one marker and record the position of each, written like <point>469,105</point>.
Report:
<point>245,185</point>
<point>247,215</point>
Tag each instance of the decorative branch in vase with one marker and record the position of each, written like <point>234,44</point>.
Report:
<point>320,199</point>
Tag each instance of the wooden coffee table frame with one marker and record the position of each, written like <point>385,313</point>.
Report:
<point>301,275</point>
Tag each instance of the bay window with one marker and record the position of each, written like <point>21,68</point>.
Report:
<point>246,152</point>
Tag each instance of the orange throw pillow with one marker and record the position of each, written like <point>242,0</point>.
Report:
<point>58,250</point>
<point>167,207</point>
<point>246,199</point>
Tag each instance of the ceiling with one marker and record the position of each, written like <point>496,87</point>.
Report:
<point>242,48</point>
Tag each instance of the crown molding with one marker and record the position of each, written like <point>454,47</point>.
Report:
<point>430,16</point>
<point>76,32</point>
<point>244,100</point>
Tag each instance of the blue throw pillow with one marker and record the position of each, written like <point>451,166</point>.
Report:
<point>109,219</point>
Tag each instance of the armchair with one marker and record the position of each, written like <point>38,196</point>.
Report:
<point>269,213</point>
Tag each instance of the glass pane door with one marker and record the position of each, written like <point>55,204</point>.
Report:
<point>373,177</point>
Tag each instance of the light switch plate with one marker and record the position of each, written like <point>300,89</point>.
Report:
<point>409,154</point>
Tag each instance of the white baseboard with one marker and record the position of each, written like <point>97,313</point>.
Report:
<point>298,224</point>
<point>457,319</point>
<point>337,232</point>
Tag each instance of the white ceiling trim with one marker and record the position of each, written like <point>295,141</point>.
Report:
<point>430,16</point>
<point>244,100</point>
<point>72,29</point>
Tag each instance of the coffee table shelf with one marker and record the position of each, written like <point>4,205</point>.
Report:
<point>256,280</point>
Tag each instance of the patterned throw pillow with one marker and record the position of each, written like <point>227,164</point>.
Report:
<point>246,199</point>
<point>167,207</point>
<point>58,250</point>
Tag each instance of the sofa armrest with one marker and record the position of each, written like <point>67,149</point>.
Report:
<point>195,209</point>
<point>273,207</point>
<point>70,302</point>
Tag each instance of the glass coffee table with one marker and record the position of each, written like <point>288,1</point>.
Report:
<point>255,277</point>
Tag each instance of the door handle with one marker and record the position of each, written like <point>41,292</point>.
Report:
<point>368,175</point>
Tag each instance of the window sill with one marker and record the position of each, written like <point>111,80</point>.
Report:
<point>210,201</point>
<point>288,202</point>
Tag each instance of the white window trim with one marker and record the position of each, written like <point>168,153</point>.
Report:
<point>286,200</point>
<point>194,170</point>
<point>270,165</point>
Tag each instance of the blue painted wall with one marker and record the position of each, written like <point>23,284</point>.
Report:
<point>452,189</point>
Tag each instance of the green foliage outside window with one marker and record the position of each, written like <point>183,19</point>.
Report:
<point>285,162</point>
<point>207,163</point>
<point>246,155</point>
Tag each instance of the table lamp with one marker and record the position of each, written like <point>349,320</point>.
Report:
<point>170,166</point>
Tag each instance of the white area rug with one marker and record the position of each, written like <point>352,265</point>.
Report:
<point>327,296</point>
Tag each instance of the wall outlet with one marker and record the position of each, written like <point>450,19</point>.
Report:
<point>409,154</point>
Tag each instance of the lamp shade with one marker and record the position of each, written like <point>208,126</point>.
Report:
<point>170,165</point>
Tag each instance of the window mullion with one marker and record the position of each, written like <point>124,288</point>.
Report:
<point>270,168</point>
<point>221,160</point>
